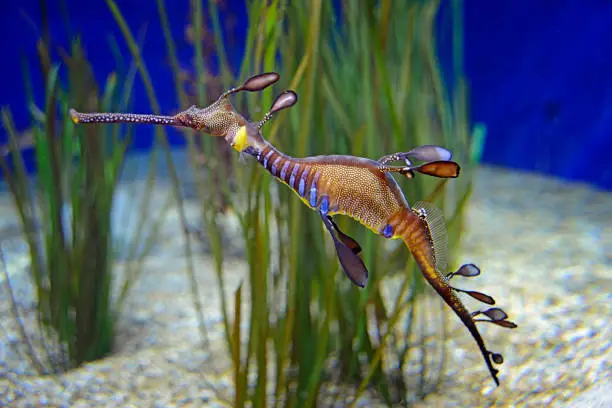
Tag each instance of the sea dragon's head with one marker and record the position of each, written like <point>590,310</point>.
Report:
<point>248,134</point>
<point>218,119</point>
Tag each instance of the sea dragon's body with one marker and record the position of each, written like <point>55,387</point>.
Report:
<point>335,184</point>
<point>357,187</point>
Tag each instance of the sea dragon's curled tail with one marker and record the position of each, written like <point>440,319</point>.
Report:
<point>423,230</point>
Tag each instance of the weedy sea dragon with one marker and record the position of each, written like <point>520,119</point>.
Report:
<point>361,188</point>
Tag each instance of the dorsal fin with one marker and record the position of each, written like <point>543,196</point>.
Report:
<point>436,224</point>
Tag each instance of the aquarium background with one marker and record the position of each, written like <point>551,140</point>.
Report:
<point>540,73</point>
<point>185,275</point>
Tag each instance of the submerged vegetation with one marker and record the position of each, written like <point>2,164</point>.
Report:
<point>369,84</point>
<point>66,212</point>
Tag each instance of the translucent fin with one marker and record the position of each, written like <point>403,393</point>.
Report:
<point>468,270</point>
<point>430,153</point>
<point>436,224</point>
<point>495,313</point>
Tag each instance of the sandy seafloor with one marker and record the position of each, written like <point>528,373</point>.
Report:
<point>545,248</point>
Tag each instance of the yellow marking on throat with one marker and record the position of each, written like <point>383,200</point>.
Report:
<point>240,140</point>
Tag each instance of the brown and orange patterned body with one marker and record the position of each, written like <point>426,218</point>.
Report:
<point>336,184</point>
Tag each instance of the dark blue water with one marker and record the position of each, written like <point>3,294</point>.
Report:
<point>540,71</point>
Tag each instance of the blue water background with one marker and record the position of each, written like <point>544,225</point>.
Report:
<point>540,72</point>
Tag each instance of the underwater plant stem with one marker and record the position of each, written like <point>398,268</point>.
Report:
<point>171,170</point>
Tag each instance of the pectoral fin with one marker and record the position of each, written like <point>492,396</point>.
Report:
<point>348,241</point>
<point>353,266</point>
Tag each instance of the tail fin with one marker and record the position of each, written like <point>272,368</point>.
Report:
<point>425,237</point>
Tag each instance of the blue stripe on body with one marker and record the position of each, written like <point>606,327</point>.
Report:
<point>273,168</point>
<point>313,191</point>
<point>302,185</point>
<point>324,205</point>
<point>265,160</point>
<point>294,173</point>
<point>283,172</point>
